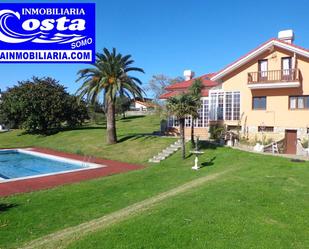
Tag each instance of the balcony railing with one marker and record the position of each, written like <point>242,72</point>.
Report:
<point>286,75</point>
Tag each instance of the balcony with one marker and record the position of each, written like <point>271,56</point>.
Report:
<point>287,78</point>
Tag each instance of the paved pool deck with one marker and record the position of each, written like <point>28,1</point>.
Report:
<point>45,182</point>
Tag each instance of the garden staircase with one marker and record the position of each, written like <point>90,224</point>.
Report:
<point>276,147</point>
<point>166,152</point>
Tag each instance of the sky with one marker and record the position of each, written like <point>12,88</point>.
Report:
<point>169,36</point>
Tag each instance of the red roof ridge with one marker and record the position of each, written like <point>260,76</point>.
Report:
<point>187,83</point>
<point>170,94</point>
<point>291,44</point>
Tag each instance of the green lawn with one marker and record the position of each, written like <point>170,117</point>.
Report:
<point>262,203</point>
<point>133,146</point>
<point>265,204</point>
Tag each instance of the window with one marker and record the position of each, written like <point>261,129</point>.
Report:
<point>224,105</point>
<point>299,102</point>
<point>220,106</point>
<point>236,105</point>
<point>293,103</point>
<point>188,121</point>
<point>213,105</point>
<point>259,103</point>
<point>201,121</point>
<point>205,112</point>
<point>228,106</point>
<point>170,122</point>
<point>263,68</point>
<point>306,102</point>
<point>176,122</point>
<point>286,65</point>
<point>217,105</point>
<point>265,129</point>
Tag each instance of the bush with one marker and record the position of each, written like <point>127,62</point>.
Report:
<point>215,131</point>
<point>122,105</point>
<point>40,104</point>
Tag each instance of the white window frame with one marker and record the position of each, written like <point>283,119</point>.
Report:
<point>195,121</point>
<point>220,91</point>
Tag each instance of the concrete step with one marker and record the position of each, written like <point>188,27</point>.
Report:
<point>174,146</point>
<point>170,150</point>
<point>160,157</point>
<point>166,152</point>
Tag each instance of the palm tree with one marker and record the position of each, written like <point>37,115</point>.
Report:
<point>195,91</point>
<point>181,106</point>
<point>109,75</point>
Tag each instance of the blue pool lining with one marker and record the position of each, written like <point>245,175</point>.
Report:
<point>82,164</point>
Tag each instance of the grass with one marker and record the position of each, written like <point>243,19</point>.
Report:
<point>262,207</point>
<point>35,214</point>
<point>134,146</point>
<point>262,203</point>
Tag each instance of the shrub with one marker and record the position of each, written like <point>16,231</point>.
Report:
<point>122,105</point>
<point>40,104</point>
<point>215,131</point>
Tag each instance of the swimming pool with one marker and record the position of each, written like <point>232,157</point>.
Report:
<point>22,163</point>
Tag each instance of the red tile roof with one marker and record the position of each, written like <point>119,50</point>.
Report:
<point>204,93</point>
<point>185,84</point>
<point>182,87</point>
<point>291,44</point>
<point>170,94</point>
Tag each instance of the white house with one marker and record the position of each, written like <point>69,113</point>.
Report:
<point>140,105</point>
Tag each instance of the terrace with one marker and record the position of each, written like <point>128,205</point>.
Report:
<point>286,78</point>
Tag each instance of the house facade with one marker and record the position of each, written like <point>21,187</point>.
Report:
<point>142,105</point>
<point>265,93</point>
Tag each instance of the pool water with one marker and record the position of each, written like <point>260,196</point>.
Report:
<point>16,164</point>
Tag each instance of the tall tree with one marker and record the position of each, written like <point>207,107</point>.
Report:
<point>158,83</point>
<point>109,75</point>
<point>195,91</point>
<point>181,106</point>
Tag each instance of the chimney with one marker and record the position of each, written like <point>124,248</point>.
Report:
<point>286,35</point>
<point>188,74</point>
